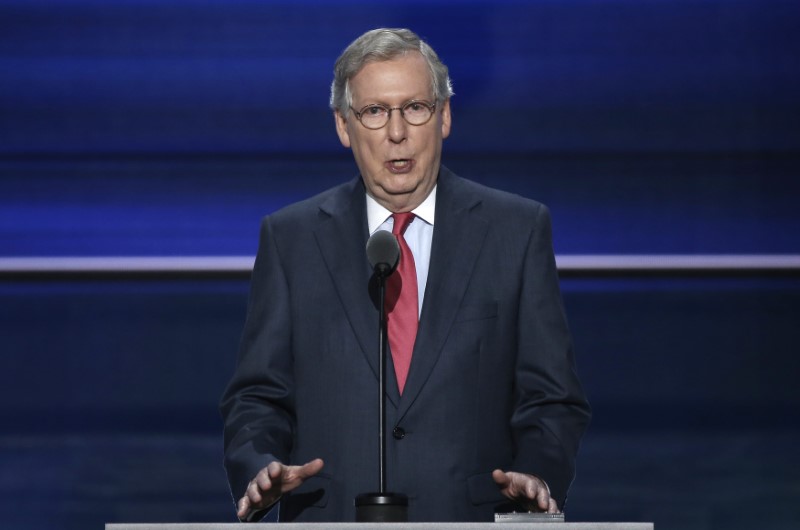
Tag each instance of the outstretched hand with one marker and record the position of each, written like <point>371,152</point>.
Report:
<point>272,482</point>
<point>528,491</point>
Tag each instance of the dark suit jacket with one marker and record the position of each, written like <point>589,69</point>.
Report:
<point>492,382</point>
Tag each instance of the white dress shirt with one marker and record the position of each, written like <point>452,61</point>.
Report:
<point>418,235</point>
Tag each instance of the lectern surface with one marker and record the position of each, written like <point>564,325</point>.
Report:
<point>384,526</point>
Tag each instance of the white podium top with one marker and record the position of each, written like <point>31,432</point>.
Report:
<point>384,526</point>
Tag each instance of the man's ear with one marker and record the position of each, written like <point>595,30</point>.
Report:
<point>341,128</point>
<point>446,118</point>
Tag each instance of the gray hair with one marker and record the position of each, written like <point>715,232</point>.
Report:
<point>383,45</point>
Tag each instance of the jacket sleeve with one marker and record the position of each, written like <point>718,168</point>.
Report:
<point>258,405</point>
<point>551,412</point>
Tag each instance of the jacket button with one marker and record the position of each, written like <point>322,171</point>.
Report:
<point>398,433</point>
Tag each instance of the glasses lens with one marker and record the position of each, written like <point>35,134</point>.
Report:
<point>374,116</point>
<point>417,112</point>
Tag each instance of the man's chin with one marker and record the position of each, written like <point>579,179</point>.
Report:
<point>398,200</point>
<point>398,186</point>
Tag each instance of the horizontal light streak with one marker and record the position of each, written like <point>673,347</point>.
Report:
<point>244,264</point>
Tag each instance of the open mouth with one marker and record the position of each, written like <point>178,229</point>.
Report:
<point>400,165</point>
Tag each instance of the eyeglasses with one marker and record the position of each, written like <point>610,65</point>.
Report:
<point>376,116</point>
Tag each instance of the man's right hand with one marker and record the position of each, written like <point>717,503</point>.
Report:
<point>272,482</point>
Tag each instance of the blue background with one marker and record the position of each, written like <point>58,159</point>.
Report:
<point>169,128</point>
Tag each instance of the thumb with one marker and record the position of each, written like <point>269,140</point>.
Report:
<point>501,478</point>
<point>309,469</point>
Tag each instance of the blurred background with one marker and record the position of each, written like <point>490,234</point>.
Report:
<point>663,134</point>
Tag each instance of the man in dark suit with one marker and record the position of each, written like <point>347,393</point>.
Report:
<point>484,404</point>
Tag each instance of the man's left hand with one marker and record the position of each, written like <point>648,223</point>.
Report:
<point>528,491</point>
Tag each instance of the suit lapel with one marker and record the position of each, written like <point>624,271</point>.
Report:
<point>341,236</point>
<point>458,236</point>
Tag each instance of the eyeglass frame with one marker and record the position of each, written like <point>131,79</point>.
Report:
<point>359,113</point>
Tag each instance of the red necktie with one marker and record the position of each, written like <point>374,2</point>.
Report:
<point>402,303</point>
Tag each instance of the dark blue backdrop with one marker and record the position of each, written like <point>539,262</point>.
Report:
<point>169,128</point>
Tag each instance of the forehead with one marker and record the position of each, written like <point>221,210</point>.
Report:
<point>393,81</point>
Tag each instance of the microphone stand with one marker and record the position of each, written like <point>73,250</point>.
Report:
<point>382,506</point>
<point>382,340</point>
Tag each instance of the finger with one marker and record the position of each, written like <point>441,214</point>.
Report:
<point>253,492</point>
<point>271,478</point>
<point>553,507</point>
<point>243,507</point>
<point>543,498</point>
<point>263,481</point>
<point>274,471</point>
<point>531,491</point>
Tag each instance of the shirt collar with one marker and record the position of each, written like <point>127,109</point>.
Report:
<point>377,214</point>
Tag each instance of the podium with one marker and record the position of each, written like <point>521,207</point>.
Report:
<point>385,526</point>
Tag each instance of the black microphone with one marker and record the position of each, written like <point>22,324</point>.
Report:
<point>383,252</point>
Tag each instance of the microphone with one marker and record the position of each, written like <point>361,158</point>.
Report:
<point>383,252</point>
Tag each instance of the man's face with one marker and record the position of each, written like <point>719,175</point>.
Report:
<point>399,162</point>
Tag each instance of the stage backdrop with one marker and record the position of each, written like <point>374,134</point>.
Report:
<point>167,129</point>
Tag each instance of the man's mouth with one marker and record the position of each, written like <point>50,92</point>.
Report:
<point>400,165</point>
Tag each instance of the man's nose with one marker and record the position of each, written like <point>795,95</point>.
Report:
<point>397,126</point>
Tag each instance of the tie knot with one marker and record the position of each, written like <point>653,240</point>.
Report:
<point>401,222</point>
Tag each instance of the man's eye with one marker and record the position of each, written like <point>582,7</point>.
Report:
<point>374,110</point>
<point>414,107</point>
